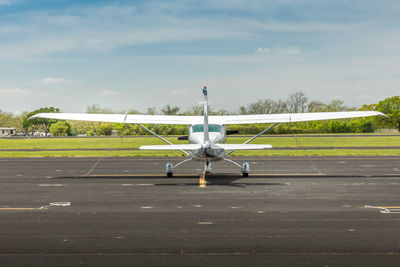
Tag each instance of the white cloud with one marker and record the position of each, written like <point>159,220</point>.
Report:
<point>262,50</point>
<point>52,80</point>
<point>182,92</point>
<point>108,93</point>
<point>5,2</point>
<point>14,92</point>
<point>291,50</point>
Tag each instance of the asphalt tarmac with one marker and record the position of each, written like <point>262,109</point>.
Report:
<point>291,211</point>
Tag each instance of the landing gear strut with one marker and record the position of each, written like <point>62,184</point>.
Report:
<point>245,168</point>
<point>169,168</point>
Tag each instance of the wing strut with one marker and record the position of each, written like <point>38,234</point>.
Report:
<point>162,138</point>
<point>254,137</point>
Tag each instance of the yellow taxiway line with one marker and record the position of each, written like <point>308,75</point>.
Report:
<point>202,180</point>
<point>20,209</point>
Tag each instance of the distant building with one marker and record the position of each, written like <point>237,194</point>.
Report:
<point>4,131</point>
<point>393,130</point>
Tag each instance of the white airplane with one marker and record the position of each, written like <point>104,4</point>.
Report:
<point>207,134</point>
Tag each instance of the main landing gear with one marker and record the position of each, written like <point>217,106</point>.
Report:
<point>245,168</point>
<point>169,168</point>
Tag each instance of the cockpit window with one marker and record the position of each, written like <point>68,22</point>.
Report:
<point>211,128</point>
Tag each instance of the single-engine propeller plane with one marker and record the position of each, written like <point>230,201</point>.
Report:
<point>207,134</point>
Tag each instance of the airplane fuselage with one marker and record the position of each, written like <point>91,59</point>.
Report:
<point>208,152</point>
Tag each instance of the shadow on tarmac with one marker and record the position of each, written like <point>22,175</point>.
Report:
<point>212,180</point>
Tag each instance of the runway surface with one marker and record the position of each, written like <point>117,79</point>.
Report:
<point>293,211</point>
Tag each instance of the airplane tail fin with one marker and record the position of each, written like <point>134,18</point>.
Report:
<point>206,135</point>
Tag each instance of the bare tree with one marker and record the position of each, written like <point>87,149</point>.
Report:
<point>196,110</point>
<point>280,106</point>
<point>261,106</point>
<point>297,102</point>
<point>170,110</point>
<point>243,110</point>
<point>151,111</point>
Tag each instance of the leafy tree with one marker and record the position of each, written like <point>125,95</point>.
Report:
<point>60,128</point>
<point>105,129</point>
<point>39,123</point>
<point>6,118</point>
<point>368,107</point>
<point>338,105</point>
<point>390,107</point>
<point>316,106</point>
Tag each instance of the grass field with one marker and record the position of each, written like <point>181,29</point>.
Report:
<point>111,143</point>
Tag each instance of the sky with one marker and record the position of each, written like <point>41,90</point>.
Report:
<point>139,54</point>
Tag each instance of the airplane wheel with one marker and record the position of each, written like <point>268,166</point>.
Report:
<point>169,168</point>
<point>245,169</point>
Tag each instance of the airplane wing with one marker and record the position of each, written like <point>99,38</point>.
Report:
<point>243,146</point>
<point>230,119</point>
<point>172,147</point>
<point>197,146</point>
<point>290,117</point>
<point>122,118</point>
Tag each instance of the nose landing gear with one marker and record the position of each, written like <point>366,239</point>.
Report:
<point>207,167</point>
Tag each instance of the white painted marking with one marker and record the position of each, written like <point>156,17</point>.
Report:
<point>197,206</point>
<point>56,204</point>
<point>60,204</point>
<point>143,184</point>
<point>205,223</point>
<point>346,206</point>
<point>179,207</point>
<point>48,177</point>
<point>19,175</point>
<point>119,237</point>
<point>342,162</point>
<point>51,185</point>
<point>260,211</point>
<point>396,169</point>
<point>350,230</point>
<point>126,184</point>
<point>147,207</point>
<point>385,209</point>
<point>235,207</point>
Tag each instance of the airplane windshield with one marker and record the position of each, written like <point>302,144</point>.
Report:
<point>211,128</point>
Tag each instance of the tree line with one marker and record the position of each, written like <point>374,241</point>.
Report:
<point>295,103</point>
